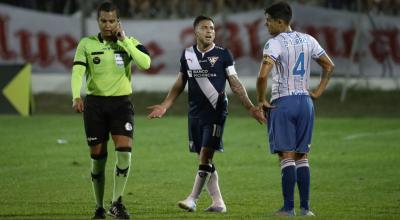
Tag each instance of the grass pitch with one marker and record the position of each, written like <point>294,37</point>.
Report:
<point>354,170</point>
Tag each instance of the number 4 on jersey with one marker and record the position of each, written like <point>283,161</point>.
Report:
<point>299,66</point>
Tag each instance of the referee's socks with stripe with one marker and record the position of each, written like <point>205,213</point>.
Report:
<point>98,178</point>
<point>122,167</point>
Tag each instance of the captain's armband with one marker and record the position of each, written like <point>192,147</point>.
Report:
<point>268,60</point>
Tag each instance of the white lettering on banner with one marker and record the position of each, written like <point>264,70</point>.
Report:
<point>49,42</point>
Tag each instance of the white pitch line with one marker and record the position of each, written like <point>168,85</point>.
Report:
<point>360,135</point>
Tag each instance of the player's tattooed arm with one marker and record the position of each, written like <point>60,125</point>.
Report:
<point>239,90</point>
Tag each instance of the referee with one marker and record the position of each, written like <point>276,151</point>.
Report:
<point>106,60</point>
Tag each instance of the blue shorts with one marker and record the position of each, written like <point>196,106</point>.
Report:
<point>290,124</point>
<point>203,133</point>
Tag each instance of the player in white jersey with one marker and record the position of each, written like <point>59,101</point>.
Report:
<point>290,114</point>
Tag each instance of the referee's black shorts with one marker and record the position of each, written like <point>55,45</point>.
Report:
<point>107,114</point>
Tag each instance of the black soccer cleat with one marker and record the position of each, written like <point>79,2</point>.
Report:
<point>99,213</point>
<point>118,210</point>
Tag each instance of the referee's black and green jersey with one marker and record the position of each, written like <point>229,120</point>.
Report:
<point>107,65</point>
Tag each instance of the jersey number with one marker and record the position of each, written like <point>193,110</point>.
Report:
<point>299,66</point>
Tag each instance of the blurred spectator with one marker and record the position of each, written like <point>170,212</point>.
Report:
<point>159,9</point>
<point>22,3</point>
<point>53,6</point>
<point>335,4</point>
<point>207,7</point>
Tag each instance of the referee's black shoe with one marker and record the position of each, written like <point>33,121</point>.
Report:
<point>118,210</point>
<point>99,213</point>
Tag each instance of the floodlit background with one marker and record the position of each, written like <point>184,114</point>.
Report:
<point>44,162</point>
<point>362,37</point>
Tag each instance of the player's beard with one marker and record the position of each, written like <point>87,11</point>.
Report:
<point>207,42</point>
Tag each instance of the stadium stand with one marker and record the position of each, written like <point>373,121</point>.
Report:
<point>161,9</point>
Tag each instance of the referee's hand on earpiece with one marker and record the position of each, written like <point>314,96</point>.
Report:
<point>119,32</point>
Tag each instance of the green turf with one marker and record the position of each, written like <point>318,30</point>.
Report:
<point>354,169</point>
<point>359,103</point>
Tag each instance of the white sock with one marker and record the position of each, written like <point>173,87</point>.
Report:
<point>214,191</point>
<point>202,176</point>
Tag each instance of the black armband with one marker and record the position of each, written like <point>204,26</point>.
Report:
<point>142,49</point>
<point>79,63</point>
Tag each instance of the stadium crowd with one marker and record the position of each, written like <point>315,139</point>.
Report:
<point>160,9</point>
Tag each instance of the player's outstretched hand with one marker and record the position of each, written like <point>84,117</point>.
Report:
<point>157,111</point>
<point>77,105</point>
<point>258,113</point>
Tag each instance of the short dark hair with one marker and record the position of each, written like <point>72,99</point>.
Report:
<point>107,6</point>
<point>200,18</point>
<point>280,10</point>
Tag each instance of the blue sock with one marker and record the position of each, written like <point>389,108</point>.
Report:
<point>288,170</point>
<point>303,182</point>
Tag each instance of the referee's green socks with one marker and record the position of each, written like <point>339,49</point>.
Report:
<point>121,171</point>
<point>98,179</point>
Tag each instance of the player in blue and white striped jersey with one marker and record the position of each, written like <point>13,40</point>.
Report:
<point>287,57</point>
<point>206,67</point>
